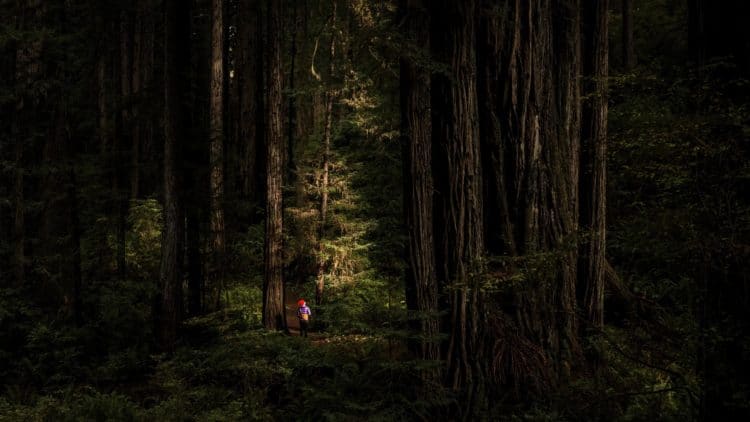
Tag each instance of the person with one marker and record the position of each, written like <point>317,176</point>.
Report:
<point>303,314</point>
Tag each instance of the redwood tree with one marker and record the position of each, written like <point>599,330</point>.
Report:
<point>531,138</point>
<point>216,135</point>
<point>176,60</point>
<point>458,196</point>
<point>416,133</point>
<point>273,285</point>
<point>593,174</point>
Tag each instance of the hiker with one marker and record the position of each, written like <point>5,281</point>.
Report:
<point>303,314</point>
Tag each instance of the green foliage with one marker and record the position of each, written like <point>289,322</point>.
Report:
<point>247,300</point>
<point>143,240</point>
<point>677,211</point>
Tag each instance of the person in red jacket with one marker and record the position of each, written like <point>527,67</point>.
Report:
<point>303,314</point>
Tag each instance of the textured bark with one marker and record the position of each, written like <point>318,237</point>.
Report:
<point>216,133</point>
<point>594,162</point>
<point>273,285</point>
<point>458,206</point>
<point>250,74</point>
<point>416,132</point>
<point>176,60</point>
<point>292,110</point>
<point>328,127</point>
<point>628,41</point>
<point>530,98</point>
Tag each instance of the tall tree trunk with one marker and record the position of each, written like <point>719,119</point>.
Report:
<point>292,111</point>
<point>593,173</point>
<point>176,60</point>
<point>530,129</point>
<point>499,237</point>
<point>250,82</point>
<point>216,129</point>
<point>458,196</point>
<point>416,132</point>
<point>327,129</point>
<point>628,42</point>
<point>273,284</point>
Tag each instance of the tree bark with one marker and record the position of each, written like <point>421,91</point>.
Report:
<point>458,197</point>
<point>594,161</point>
<point>416,132</point>
<point>250,74</point>
<point>273,284</point>
<point>216,130</point>
<point>292,111</point>
<point>176,60</point>
<point>530,129</point>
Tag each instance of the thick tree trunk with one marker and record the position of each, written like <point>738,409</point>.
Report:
<point>250,74</point>
<point>458,197</point>
<point>416,132</point>
<point>216,131</point>
<point>176,60</point>
<point>530,96</point>
<point>273,285</point>
<point>499,237</point>
<point>594,161</point>
<point>292,111</point>
<point>628,42</point>
<point>327,133</point>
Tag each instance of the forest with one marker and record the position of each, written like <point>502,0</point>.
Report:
<point>505,210</point>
